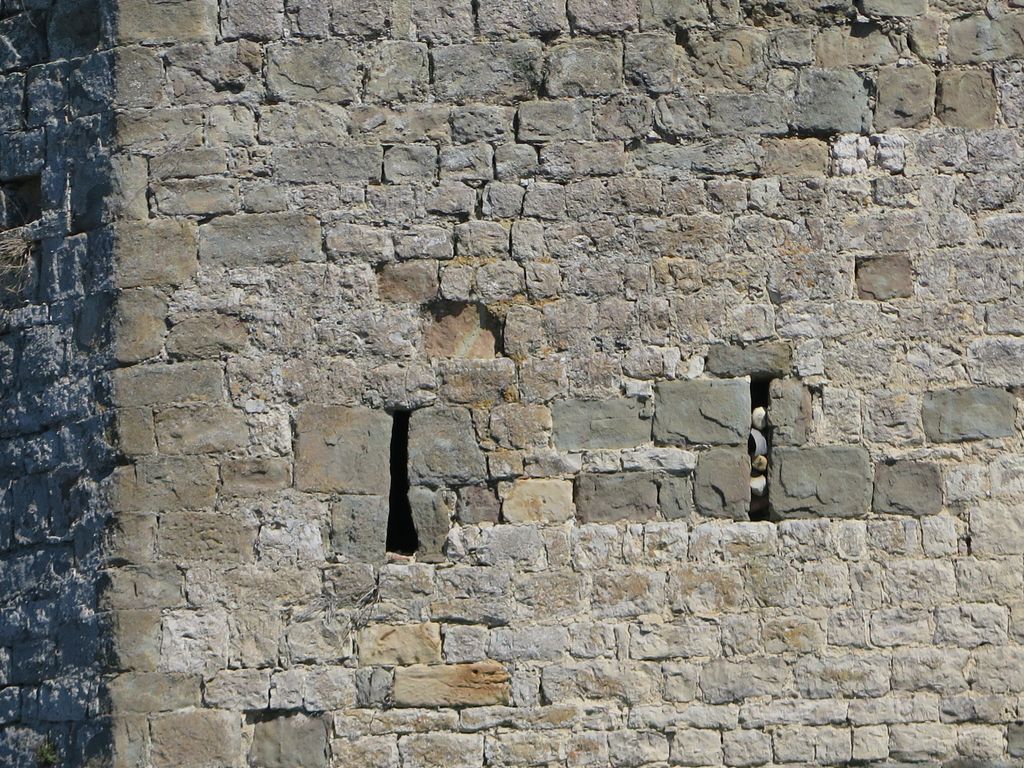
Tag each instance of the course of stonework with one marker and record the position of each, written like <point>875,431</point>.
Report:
<point>378,380</point>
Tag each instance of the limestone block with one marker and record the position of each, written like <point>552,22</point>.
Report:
<point>289,741</point>
<point>467,162</point>
<point>895,7</point>
<point>723,681</point>
<point>976,413</point>
<point>537,501</point>
<point>342,449</point>
<point>460,331</point>
<point>998,361</point>
<point>442,22</point>
<point>721,484</point>
<point>413,282</point>
<point>152,21</point>
<point>154,253</point>
<point>589,424</point>
<point>831,101</point>
<point>140,325</point>
<point>258,19</point>
<point>686,637</point>
<point>410,162</point>
<point>477,504</point>
<point>908,488</point>
<point>452,685</point>
<point>495,72</point>
<point>676,498</point>
<point>595,17</point>
<point>967,98</point>
<point>885,278</point>
<point>997,529</point>
<point>151,692</point>
<point>530,18</point>
<point>244,240</point>
<point>362,18</point>
<point>922,741</point>
<point>200,429</point>
<point>324,70</point>
<point>746,747</point>
<point>389,645</point>
<point>906,96</point>
<point>443,448</point>
<point>977,39</point>
<point>165,483</point>
<point>399,72</point>
<point>610,498</point>
<point>206,335</point>
<point>789,411</point>
<point>830,482</point>
<point>702,411</point>
<point>254,477</point>
<point>432,512</point>
<point>191,536</point>
<point>584,68</point>
<point>238,689</point>
<point>771,359</point>
<point>452,750</point>
<point>656,14</point>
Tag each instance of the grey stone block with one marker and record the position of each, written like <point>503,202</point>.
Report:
<point>584,68</point>
<point>772,359</point>
<point>833,481</point>
<point>324,70</point>
<point>492,71</point>
<point>721,484</point>
<point>675,497</point>
<point>443,449</point>
<point>831,101</point>
<point>294,741</point>
<point>342,449</point>
<point>906,96</point>
<point>609,498</point>
<point>975,413</point>
<point>702,411</point>
<point>590,424</point>
<point>789,411</point>
<point>359,527</point>
<point>431,514</point>
<point>908,488</point>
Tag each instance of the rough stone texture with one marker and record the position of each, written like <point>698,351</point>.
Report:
<point>820,482</point>
<point>695,412</point>
<point>523,222</point>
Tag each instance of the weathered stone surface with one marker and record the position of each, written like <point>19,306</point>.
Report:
<point>997,529</point>
<point>766,360</point>
<point>461,330</point>
<point>975,413</point>
<point>884,278</point>
<point>494,71</point>
<point>831,101</point>
<point>443,448</point>
<point>608,498</point>
<point>833,482</point>
<point>160,384</point>
<point>906,97</point>
<point>584,68</point>
<point>702,411</point>
<point>967,99</point>
<point>325,70</point>
<point>140,325</point>
<point>342,449</point>
<point>452,685</point>
<point>147,21</point>
<point>432,511</point>
<point>258,240</point>
<point>400,645</point>
<point>908,488</point>
<point>721,484</point>
<point>789,411</point>
<point>155,253</point>
<point>359,526</point>
<point>289,741</point>
<point>206,335</point>
<point>589,424</point>
<point>997,361</point>
<point>537,501</point>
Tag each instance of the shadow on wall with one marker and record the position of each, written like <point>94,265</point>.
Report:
<point>55,300</point>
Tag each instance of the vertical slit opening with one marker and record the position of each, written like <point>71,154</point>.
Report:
<point>760,398</point>
<point>402,538</point>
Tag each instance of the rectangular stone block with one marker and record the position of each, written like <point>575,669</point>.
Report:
<point>178,21</point>
<point>443,448</point>
<point>150,692</point>
<point>452,750</point>
<point>342,449</point>
<point>195,737</point>
<point>537,501</point>
<point>328,165</point>
<point>765,360</point>
<point>592,424</point>
<point>976,413</point>
<point>324,70</point>
<point>997,529</point>
<point>908,488</point>
<point>289,741</point>
<point>584,68</point>
<point>201,429</point>
<point>721,484</point>
<point>156,484</point>
<point>255,477</point>
<point>610,498</point>
<point>702,411</point>
<point>479,684</point>
<point>493,72</point>
<point>158,252</point>
<point>252,240</point>
<point>161,384</point>
<point>825,482</point>
<point>400,645</point>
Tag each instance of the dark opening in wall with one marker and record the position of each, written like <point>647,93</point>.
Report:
<point>402,538</point>
<point>22,202</point>
<point>760,450</point>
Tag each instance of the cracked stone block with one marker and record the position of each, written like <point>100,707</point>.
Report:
<point>975,413</point>
<point>721,484</point>
<point>833,481</point>
<point>908,488</point>
<point>702,412</point>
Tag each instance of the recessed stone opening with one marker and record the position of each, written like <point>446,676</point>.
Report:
<point>22,201</point>
<point>759,447</point>
<point>401,538</point>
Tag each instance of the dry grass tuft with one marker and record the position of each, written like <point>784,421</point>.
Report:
<point>15,258</point>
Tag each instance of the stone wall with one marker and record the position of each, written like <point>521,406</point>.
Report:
<point>59,187</point>
<point>437,334</point>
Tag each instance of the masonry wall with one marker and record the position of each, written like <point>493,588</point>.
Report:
<point>59,187</point>
<point>514,275</point>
